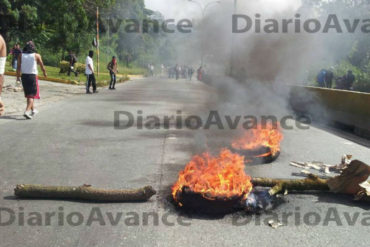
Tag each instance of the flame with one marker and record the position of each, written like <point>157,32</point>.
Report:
<point>221,176</point>
<point>268,135</point>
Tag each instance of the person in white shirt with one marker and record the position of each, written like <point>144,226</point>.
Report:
<point>2,70</point>
<point>89,71</point>
<point>27,69</point>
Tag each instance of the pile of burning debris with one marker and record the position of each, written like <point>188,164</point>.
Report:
<point>219,185</point>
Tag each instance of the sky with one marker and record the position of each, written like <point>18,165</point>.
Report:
<point>176,9</point>
<point>179,9</point>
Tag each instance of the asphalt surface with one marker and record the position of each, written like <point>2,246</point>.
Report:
<point>51,93</point>
<point>74,142</point>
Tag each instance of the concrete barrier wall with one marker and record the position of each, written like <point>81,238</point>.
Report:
<point>347,107</point>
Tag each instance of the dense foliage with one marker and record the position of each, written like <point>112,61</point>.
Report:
<point>57,26</point>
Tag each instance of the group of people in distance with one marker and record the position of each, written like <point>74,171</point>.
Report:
<point>325,79</point>
<point>26,61</point>
<point>176,72</point>
<point>185,72</point>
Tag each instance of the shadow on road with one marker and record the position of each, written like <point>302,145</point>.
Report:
<point>14,117</point>
<point>98,123</point>
<point>342,199</point>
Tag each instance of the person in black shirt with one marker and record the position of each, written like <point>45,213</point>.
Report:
<point>16,51</point>
<point>113,70</point>
<point>72,61</point>
<point>329,79</point>
<point>349,79</point>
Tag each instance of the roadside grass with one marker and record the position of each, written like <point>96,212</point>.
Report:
<point>105,58</point>
<point>131,71</point>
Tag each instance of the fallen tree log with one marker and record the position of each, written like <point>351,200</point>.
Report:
<point>84,193</point>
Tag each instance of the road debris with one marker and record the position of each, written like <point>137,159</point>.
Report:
<point>349,181</point>
<point>321,167</point>
<point>274,224</point>
<point>364,193</point>
<point>352,181</point>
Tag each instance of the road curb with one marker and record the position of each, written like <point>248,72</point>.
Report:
<point>8,73</point>
<point>71,82</point>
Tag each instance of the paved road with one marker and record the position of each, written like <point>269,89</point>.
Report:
<point>74,142</point>
<point>50,92</point>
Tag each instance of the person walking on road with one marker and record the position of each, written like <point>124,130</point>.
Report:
<point>27,66</point>
<point>200,73</point>
<point>72,59</point>
<point>16,51</point>
<point>190,73</point>
<point>89,71</point>
<point>113,70</point>
<point>3,54</point>
<point>163,70</point>
<point>151,70</point>
<point>178,71</point>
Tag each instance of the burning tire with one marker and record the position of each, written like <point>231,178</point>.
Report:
<point>212,185</point>
<point>262,155</point>
<point>259,145</point>
<point>200,203</point>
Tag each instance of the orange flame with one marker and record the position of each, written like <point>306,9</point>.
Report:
<point>268,135</point>
<point>221,176</point>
